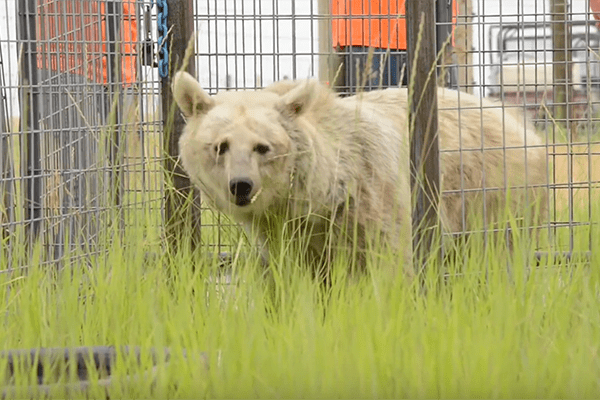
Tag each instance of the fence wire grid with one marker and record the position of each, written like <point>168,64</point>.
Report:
<point>81,124</point>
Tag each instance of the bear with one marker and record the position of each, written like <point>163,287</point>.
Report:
<point>336,169</point>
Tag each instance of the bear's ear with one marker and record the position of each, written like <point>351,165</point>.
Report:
<point>189,95</point>
<point>300,98</point>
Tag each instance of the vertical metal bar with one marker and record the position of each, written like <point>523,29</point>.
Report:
<point>179,213</point>
<point>227,50</point>
<point>257,45</point>
<point>236,51</point>
<point>276,52</point>
<point>294,44</point>
<point>30,129</point>
<point>210,54</point>
<point>217,49</point>
<point>424,149</point>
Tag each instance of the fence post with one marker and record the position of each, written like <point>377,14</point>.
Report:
<point>182,216</point>
<point>29,126</point>
<point>6,161</point>
<point>329,60</point>
<point>446,73</point>
<point>423,126</point>
<point>324,40</point>
<point>561,60</point>
<point>114,43</point>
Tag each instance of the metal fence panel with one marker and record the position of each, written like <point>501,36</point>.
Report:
<point>84,141</point>
<point>82,145</point>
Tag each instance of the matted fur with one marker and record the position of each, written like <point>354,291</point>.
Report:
<point>332,159</point>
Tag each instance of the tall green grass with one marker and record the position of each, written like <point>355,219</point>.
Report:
<point>495,326</point>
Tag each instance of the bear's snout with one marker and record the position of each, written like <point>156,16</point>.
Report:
<point>241,188</point>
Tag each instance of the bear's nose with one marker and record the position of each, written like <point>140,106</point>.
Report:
<point>240,187</point>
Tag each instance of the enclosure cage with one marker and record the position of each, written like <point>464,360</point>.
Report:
<point>81,144</point>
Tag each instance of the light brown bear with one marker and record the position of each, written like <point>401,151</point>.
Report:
<point>299,154</point>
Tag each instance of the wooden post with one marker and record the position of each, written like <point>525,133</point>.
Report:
<point>114,15</point>
<point>443,34</point>
<point>182,201</point>
<point>424,150</point>
<point>329,60</point>
<point>463,35</point>
<point>324,40</point>
<point>561,59</point>
<point>30,126</point>
<point>6,167</point>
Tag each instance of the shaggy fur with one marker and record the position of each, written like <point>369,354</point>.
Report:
<point>318,161</point>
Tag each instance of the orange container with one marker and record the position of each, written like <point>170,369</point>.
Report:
<point>72,37</point>
<point>373,23</point>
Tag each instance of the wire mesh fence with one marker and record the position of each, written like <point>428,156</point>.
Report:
<point>81,144</point>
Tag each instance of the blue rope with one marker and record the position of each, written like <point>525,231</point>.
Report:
<point>163,59</point>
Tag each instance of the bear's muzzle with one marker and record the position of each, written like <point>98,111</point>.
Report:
<point>241,188</point>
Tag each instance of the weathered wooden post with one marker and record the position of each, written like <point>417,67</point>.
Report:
<point>30,129</point>
<point>561,60</point>
<point>443,10</point>
<point>324,40</point>
<point>463,35</point>
<point>182,201</point>
<point>6,165</point>
<point>423,127</point>
<point>329,60</point>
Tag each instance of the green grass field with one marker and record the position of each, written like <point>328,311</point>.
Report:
<point>496,326</point>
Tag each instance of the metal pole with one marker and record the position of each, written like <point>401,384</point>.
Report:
<point>180,213</point>
<point>30,130</point>
<point>424,149</point>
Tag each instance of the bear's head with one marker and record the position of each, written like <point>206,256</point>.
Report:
<point>237,145</point>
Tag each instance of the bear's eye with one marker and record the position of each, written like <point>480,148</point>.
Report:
<point>261,148</point>
<point>221,148</point>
